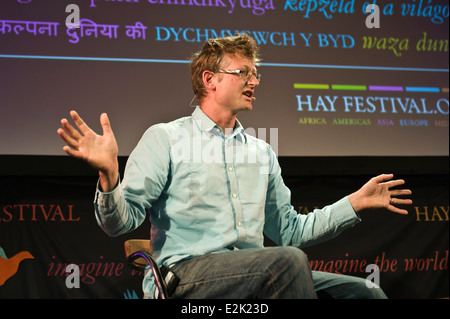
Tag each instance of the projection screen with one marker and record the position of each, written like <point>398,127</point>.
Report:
<point>336,80</point>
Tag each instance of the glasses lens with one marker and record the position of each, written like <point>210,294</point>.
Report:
<point>248,76</point>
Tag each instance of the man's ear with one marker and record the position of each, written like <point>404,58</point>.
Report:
<point>208,82</point>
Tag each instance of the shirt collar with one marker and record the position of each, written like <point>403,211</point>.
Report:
<point>208,125</point>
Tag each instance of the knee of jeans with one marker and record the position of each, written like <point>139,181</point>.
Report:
<point>362,291</point>
<point>292,257</point>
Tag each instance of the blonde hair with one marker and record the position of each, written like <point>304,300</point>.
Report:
<point>212,53</point>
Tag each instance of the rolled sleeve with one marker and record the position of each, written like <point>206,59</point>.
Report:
<point>108,213</point>
<point>108,199</point>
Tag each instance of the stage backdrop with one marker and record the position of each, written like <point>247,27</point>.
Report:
<point>47,223</point>
<point>337,84</point>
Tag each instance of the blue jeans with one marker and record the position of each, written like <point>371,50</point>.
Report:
<point>263,273</point>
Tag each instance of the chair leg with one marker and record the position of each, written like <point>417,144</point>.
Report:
<point>159,280</point>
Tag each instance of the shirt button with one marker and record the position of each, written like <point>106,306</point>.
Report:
<point>230,169</point>
<point>239,224</point>
<point>234,195</point>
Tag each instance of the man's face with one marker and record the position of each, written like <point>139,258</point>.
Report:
<point>233,92</point>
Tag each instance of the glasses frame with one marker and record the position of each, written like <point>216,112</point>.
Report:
<point>244,75</point>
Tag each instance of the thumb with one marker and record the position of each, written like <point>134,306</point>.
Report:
<point>104,122</point>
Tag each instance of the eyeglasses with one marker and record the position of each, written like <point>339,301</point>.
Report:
<point>245,75</point>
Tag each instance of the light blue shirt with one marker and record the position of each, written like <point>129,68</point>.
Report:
<point>207,191</point>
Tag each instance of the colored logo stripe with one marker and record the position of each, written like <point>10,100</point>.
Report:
<point>385,88</point>
<point>311,86</point>
<point>349,87</point>
<point>422,89</point>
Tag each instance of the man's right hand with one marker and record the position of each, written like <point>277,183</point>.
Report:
<point>99,151</point>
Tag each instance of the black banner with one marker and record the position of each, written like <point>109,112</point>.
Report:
<point>48,223</point>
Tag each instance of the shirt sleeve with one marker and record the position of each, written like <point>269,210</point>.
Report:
<point>125,208</point>
<point>110,211</point>
<point>287,228</point>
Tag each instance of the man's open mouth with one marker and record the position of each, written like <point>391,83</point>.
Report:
<point>248,93</point>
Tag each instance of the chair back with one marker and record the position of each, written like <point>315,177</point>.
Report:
<point>135,245</point>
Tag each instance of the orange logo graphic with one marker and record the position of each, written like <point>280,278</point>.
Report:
<point>9,266</point>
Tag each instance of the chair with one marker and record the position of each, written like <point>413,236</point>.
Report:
<point>137,253</point>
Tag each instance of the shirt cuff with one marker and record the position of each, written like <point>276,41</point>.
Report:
<point>344,208</point>
<point>108,200</point>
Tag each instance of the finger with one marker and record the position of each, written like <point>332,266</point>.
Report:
<point>400,201</point>
<point>398,210</point>
<point>72,152</point>
<point>400,192</point>
<point>382,178</point>
<point>84,128</point>
<point>394,183</point>
<point>66,138</point>
<point>70,129</point>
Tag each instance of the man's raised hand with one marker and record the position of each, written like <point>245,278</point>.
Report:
<point>99,151</point>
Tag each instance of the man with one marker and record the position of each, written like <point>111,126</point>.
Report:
<point>212,191</point>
